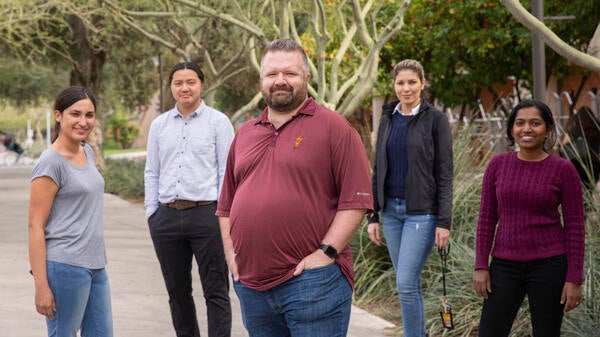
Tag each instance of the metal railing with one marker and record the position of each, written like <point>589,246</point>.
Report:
<point>491,124</point>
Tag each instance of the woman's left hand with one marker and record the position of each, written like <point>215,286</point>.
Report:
<point>373,231</point>
<point>571,296</point>
<point>441,237</point>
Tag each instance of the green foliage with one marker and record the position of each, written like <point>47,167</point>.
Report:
<point>131,76</point>
<point>125,178</point>
<point>23,84</point>
<point>576,32</point>
<point>375,277</point>
<point>122,130</point>
<point>45,46</point>
<point>468,45</point>
<point>463,45</point>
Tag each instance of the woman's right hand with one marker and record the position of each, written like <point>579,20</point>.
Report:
<point>482,283</point>
<point>44,301</point>
<point>373,231</point>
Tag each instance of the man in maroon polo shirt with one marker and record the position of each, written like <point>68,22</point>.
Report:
<point>296,187</point>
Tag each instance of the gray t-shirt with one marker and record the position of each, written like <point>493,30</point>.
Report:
<point>75,228</point>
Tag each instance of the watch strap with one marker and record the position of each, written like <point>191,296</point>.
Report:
<point>329,250</point>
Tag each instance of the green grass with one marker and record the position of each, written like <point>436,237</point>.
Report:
<point>111,151</point>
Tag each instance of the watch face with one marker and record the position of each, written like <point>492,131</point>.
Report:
<point>329,251</point>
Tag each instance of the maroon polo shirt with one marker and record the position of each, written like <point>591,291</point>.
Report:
<point>283,187</point>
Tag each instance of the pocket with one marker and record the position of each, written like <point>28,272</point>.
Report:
<point>320,268</point>
<point>152,216</point>
<point>154,222</point>
<point>201,144</point>
<point>321,292</point>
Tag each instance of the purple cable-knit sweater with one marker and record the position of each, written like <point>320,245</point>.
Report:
<point>523,199</point>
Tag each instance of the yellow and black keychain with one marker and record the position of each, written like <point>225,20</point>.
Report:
<point>445,308</point>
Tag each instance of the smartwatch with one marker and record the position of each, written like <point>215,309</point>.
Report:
<point>329,251</point>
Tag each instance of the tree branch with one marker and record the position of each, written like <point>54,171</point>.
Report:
<point>559,46</point>
<point>144,14</point>
<point>594,47</point>
<point>246,108</point>
<point>147,34</point>
<point>245,25</point>
<point>359,19</point>
<point>284,19</point>
<point>319,25</point>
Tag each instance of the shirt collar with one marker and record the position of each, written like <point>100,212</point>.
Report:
<point>175,113</point>
<point>413,112</point>
<point>309,108</point>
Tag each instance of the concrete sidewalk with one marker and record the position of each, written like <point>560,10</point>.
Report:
<point>139,300</point>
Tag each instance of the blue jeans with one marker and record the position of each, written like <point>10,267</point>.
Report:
<point>409,240</point>
<point>542,280</point>
<point>82,298</point>
<point>316,303</point>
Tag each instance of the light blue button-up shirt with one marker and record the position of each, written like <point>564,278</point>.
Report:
<point>186,157</point>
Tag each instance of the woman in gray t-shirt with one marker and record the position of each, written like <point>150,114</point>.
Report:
<point>66,240</point>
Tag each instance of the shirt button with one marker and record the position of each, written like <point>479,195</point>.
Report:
<point>276,133</point>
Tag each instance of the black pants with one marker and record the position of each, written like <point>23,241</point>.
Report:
<point>542,281</point>
<point>177,236</point>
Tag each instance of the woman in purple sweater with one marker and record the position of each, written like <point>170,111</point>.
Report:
<point>533,251</point>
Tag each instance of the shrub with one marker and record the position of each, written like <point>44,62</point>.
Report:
<point>122,131</point>
<point>125,178</point>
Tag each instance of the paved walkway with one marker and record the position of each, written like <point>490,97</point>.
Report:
<point>140,307</point>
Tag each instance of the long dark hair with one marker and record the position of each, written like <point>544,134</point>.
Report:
<point>68,97</point>
<point>546,115</point>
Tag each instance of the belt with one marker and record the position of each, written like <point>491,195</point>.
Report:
<point>185,204</point>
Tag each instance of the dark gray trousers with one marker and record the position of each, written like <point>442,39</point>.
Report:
<point>179,235</point>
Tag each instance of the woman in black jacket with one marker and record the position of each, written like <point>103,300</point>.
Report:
<point>412,187</point>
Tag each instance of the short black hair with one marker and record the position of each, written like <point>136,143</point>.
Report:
<point>186,65</point>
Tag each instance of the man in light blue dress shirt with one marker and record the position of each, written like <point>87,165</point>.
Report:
<point>186,155</point>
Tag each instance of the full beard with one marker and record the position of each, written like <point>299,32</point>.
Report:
<point>285,103</point>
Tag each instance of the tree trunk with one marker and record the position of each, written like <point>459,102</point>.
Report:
<point>87,62</point>
<point>377,102</point>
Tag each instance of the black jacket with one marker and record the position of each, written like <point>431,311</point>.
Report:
<point>430,169</point>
